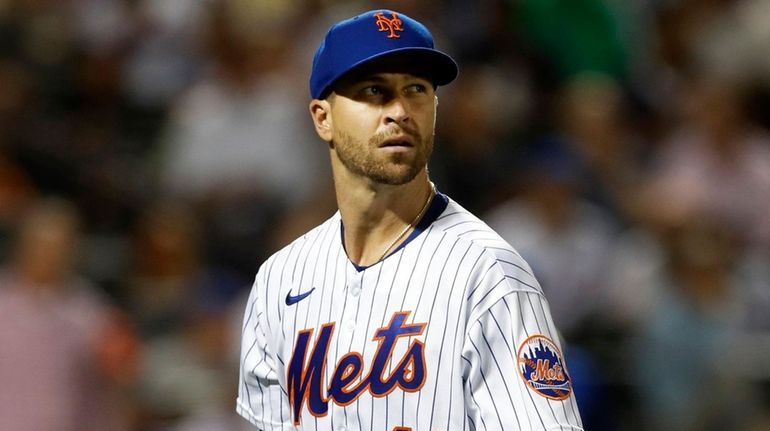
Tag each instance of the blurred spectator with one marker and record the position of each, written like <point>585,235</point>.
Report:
<point>167,267</point>
<point>563,237</point>
<point>687,354</point>
<point>716,163</point>
<point>481,115</point>
<point>592,118</point>
<point>166,56</point>
<point>728,39</point>
<point>17,189</point>
<point>67,355</point>
<point>181,305</point>
<point>68,126</point>
<point>223,139</point>
<point>239,144</point>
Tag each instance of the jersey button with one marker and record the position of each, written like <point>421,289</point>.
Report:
<point>350,326</point>
<point>342,429</point>
<point>355,291</point>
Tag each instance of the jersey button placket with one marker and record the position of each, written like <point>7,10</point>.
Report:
<point>354,290</point>
<point>354,287</point>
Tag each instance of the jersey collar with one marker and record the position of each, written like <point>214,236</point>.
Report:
<point>437,206</point>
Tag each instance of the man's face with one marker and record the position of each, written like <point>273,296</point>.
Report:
<point>382,125</point>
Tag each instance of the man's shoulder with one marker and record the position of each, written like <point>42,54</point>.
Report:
<point>463,225</point>
<point>312,236</point>
<point>495,252</point>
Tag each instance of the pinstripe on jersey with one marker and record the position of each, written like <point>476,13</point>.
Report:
<point>426,339</point>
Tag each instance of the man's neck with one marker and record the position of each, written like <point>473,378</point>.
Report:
<point>378,217</point>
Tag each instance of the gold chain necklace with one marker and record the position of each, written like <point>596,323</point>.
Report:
<point>410,225</point>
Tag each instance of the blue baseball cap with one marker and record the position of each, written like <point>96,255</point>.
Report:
<point>373,35</point>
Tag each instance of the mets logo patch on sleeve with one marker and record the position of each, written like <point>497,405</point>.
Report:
<point>541,365</point>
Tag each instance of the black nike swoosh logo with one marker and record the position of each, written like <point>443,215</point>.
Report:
<point>291,300</point>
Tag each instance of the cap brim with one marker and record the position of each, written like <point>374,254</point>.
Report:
<point>440,66</point>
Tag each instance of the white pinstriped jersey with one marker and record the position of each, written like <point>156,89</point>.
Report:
<point>449,332</point>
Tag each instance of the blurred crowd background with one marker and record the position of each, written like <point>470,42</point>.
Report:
<point>154,152</point>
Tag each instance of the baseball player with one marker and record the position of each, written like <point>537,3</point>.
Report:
<point>403,311</point>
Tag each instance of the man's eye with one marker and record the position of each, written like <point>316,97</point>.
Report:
<point>372,91</point>
<point>416,88</point>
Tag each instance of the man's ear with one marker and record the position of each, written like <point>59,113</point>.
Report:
<point>320,111</point>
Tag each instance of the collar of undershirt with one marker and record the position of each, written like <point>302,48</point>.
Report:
<point>437,206</point>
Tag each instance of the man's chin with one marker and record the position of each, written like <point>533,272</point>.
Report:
<point>396,176</point>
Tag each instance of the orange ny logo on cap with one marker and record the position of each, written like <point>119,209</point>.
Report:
<point>391,25</point>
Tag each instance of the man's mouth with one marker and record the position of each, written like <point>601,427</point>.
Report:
<point>398,142</point>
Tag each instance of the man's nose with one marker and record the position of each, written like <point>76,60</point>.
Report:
<point>396,111</point>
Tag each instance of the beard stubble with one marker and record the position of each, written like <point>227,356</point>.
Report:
<point>367,160</point>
